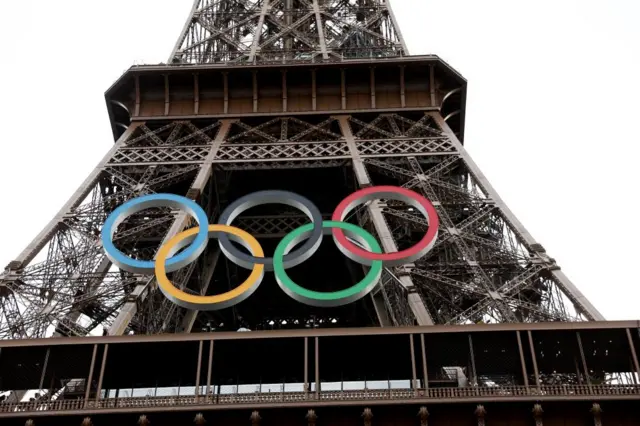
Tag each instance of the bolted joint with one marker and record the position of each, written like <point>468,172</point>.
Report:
<point>405,270</point>
<point>537,248</point>
<point>14,265</point>
<point>193,194</point>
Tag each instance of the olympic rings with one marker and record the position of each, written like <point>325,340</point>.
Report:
<point>353,241</point>
<point>148,201</point>
<point>266,197</point>
<point>219,301</point>
<point>409,255</point>
<point>327,299</point>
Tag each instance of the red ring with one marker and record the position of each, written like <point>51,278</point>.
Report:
<point>429,237</point>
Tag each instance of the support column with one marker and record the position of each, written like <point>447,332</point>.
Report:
<point>525,375</point>
<point>167,100</point>
<point>403,98</point>
<point>102,367</point>
<point>284,91</point>
<point>44,368</point>
<point>225,88</point>
<point>634,356</point>
<point>537,414</point>
<point>474,373</point>
<point>584,360</point>
<point>136,110</point>
<point>258,34</point>
<point>432,85</point>
<point>385,236</point>
<point>198,370</point>
<point>254,76</point>
<point>425,371</point>
<point>306,367</point>
<point>320,27</point>
<point>196,94</point>
<point>571,291</point>
<point>481,413</point>
<point>90,378</point>
<point>533,360</point>
<point>372,78</point>
<point>314,90</point>
<point>343,88</point>
<point>140,292</point>
<point>209,367</point>
<point>317,358</point>
<point>414,376</point>
<point>596,410</point>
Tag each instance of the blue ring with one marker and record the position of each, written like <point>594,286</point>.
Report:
<point>149,201</point>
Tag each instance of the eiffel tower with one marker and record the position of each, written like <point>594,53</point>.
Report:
<point>319,97</point>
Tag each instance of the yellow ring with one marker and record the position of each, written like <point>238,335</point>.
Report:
<point>218,301</point>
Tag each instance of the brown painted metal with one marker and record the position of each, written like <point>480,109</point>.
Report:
<point>369,331</point>
<point>209,367</point>
<point>414,376</point>
<point>634,355</point>
<point>102,368</point>
<point>534,359</point>
<point>90,378</point>
<point>198,368</point>
<point>424,362</point>
<point>525,375</point>
<point>585,368</point>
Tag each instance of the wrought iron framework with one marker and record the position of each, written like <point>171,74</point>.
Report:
<point>485,266</point>
<point>287,30</point>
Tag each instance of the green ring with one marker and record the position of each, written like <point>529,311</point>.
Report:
<point>334,298</point>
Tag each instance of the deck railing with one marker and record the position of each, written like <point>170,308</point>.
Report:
<point>523,392</point>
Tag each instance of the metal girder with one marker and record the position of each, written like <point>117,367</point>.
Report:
<point>474,270</point>
<point>420,312</point>
<point>262,31</point>
<point>126,314</point>
<point>569,289</point>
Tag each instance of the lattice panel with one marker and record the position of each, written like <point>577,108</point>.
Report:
<point>160,155</point>
<point>249,31</point>
<point>417,147</point>
<point>282,151</point>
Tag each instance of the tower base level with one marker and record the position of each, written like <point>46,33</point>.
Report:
<point>513,374</point>
<point>432,413</point>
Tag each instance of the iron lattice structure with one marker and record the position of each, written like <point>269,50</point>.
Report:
<point>206,143</point>
<point>287,30</point>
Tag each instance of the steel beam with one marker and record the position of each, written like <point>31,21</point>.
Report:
<point>576,296</point>
<point>125,315</point>
<point>418,308</point>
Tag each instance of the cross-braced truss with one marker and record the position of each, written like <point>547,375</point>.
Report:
<point>484,267</point>
<point>251,31</point>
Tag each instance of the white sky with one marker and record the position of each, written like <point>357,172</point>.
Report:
<point>552,113</point>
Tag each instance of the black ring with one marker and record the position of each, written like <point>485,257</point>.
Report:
<point>292,199</point>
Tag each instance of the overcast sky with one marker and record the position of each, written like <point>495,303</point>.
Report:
<point>552,113</point>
